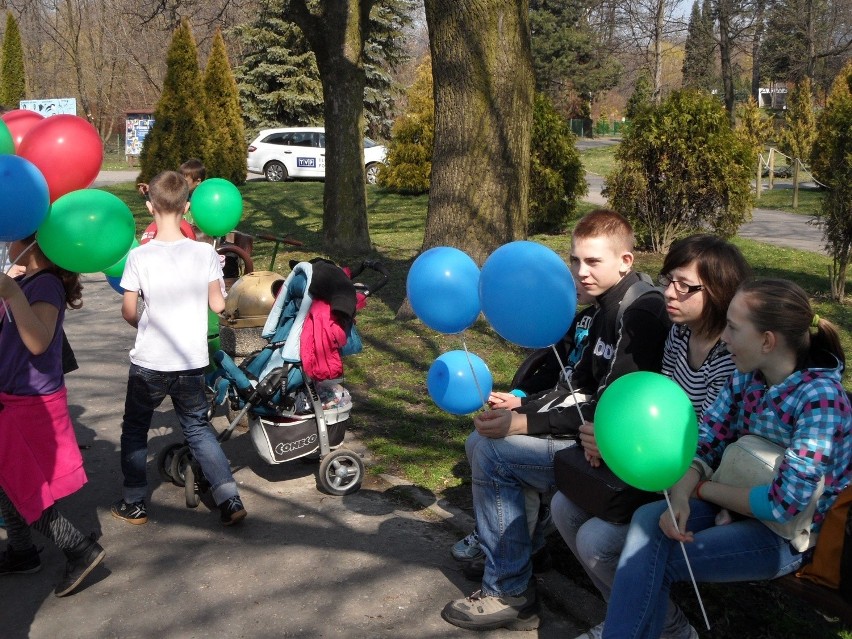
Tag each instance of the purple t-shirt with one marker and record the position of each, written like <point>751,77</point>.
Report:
<point>21,372</point>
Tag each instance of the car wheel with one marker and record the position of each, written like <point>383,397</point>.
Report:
<point>275,171</point>
<point>373,173</point>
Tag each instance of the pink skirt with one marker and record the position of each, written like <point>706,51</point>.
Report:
<point>40,460</point>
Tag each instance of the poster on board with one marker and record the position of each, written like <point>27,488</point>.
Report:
<point>51,106</point>
<point>137,127</point>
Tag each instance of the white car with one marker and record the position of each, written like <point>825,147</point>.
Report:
<point>281,154</point>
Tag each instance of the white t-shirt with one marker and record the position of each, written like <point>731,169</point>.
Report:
<point>173,278</point>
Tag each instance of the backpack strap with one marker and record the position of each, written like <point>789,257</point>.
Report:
<point>638,289</point>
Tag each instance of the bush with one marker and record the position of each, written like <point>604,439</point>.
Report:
<point>680,169</point>
<point>557,179</point>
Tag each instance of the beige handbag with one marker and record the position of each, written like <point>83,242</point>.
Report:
<point>754,461</point>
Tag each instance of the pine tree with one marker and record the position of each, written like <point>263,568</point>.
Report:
<point>226,134</point>
<point>832,164</point>
<point>409,165</point>
<point>13,84</point>
<point>799,135</point>
<point>699,49</point>
<point>641,98</point>
<point>754,126</point>
<point>180,129</point>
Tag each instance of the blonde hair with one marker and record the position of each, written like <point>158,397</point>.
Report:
<point>168,192</point>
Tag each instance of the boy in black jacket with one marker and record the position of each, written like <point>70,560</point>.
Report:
<point>512,450</point>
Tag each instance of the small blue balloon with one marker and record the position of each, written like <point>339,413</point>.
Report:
<point>115,283</point>
<point>443,289</point>
<point>529,276</point>
<point>458,385</point>
<point>24,198</point>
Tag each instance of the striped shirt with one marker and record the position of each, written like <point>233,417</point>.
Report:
<point>702,385</point>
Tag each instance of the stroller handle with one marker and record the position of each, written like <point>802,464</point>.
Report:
<point>373,265</point>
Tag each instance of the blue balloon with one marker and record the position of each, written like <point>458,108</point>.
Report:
<point>442,287</point>
<point>115,282</point>
<point>24,198</point>
<point>528,294</point>
<point>458,385</point>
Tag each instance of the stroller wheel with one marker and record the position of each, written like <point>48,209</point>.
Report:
<point>341,472</point>
<point>192,474</point>
<point>164,461</point>
<point>180,460</point>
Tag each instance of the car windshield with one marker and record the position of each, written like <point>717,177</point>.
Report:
<point>368,143</point>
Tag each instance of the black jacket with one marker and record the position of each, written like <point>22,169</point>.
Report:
<point>614,349</point>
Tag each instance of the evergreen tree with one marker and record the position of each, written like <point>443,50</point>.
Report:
<point>798,136</point>
<point>699,49</point>
<point>642,96</point>
<point>13,84</point>
<point>832,165</point>
<point>567,53</point>
<point>754,127</point>
<point>227,150</point>
<point>180,129</point>
<point>409,164</point>
<point>279,81</point>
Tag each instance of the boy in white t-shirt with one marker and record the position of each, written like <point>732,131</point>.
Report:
<point>178,279</point>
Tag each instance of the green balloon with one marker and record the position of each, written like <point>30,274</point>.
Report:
<point>7,142</point>
<point>646,430</point>
<point>87,231</point>
<point>216,207</point>
<point>117,269</point>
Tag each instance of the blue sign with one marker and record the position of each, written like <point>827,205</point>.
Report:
<point>306,163</point>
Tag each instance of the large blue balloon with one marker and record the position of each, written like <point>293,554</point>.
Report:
<point>24,198</point>
<point>458,385</point>
<point>528,294</point>
<point>442,287</point>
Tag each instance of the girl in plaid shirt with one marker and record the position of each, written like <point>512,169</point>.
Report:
<point>787,389</point>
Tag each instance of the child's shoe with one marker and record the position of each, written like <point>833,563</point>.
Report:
<point>82,559</point>
<point>134,513</point>
<point>22,562</point>
<point>232,511</point>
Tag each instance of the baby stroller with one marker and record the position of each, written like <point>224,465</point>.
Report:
<point>291,389</point>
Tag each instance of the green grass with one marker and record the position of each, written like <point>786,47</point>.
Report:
<point>599,160</point>
<point>394,416</point>
<point>781,199</point>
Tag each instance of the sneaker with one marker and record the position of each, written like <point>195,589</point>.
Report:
<point>467,549</point>
<point>593,633</point>
<point>542,562</point>
<point>232,511</point>
<point>134,513</point>
<point>487,612</point>
<point>24,562</point>
<point>82,559</point>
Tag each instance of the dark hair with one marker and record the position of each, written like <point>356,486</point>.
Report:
<point>783,307</point>
<point>606,223</point>
<point>721,268</point>
<point>194,169</point>
<point>70,280</point>
<point>168,192</point>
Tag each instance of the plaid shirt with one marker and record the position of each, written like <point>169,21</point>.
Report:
<point>808,413</point>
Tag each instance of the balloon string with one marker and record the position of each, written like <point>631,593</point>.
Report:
<point>5,255</point>
<point>686,559</point>
<point>568,381</point>
<point>473,372</point>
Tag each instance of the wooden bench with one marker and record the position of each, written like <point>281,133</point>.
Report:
<point>826,600</point>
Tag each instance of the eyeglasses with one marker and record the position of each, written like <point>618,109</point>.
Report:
<point>681,287</point>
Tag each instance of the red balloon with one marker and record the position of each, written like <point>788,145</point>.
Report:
<point>151,232</point>
<point>20,121</point>
<point>67,150</point>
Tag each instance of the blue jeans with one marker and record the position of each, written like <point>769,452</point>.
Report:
<point>500,470</point>
<point>146,390</point>
<point>744,550</point>
<point>597,545</point>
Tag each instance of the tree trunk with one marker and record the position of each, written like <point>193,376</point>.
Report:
<point>659,29</point>
<point>337,39</point>
<point>725,51</point>
<point>483,84</point>
<point>759,10</point>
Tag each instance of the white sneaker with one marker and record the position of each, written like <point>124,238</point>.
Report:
<point>468,549</point>
<point>593,633</point>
